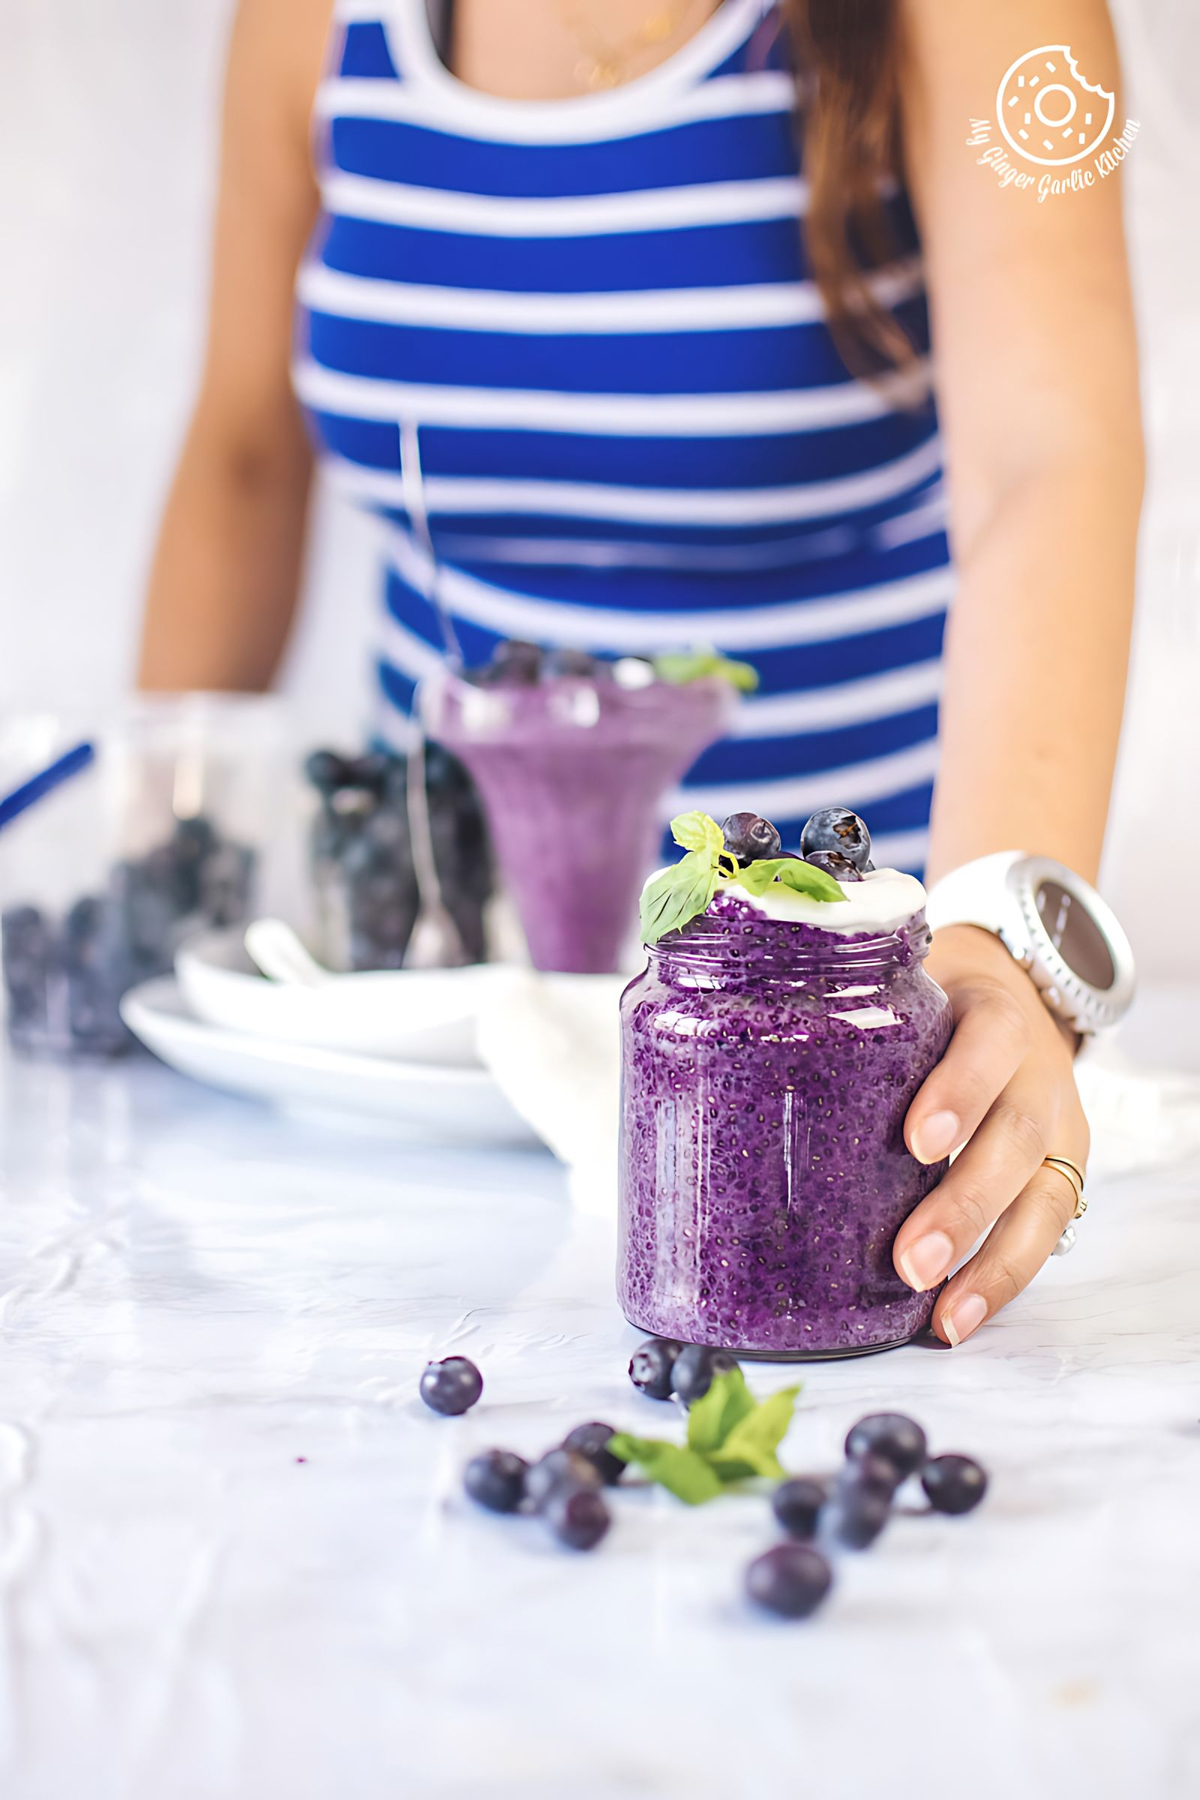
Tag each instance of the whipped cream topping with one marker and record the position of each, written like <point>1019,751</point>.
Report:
<point>882,901</point>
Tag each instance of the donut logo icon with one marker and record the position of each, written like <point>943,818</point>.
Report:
<point>1048,112</point>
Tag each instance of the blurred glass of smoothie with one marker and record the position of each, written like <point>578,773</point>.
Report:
<point>574,757</point>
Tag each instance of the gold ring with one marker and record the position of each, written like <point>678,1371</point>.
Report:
<point>1074,1175</point>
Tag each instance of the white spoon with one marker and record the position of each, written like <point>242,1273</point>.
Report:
<point>280,955</point>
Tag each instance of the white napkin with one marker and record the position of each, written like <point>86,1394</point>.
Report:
<point>552,1044</point>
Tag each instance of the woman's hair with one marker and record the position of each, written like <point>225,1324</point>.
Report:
<point>847,53</point>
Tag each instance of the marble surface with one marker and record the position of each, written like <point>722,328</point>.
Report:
<point>235,1564</point>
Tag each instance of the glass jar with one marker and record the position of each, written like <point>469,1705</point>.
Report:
<point>767,1070</point>
<point>103,878</point>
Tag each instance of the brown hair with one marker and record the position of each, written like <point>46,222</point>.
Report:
<point>847,53</point>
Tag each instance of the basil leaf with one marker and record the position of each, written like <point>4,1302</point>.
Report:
<point>757,1436</point>
<point>677,894</point>
<point>741,1468</point>
<point>712,1417</point>
<point>682,1472</point>
<point>791,872</point>
<point>678,667</point>
<point>696,831</point>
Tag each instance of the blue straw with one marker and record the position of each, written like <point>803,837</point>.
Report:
<point>38,786</point>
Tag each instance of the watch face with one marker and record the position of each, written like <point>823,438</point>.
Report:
<point>1075,935</point>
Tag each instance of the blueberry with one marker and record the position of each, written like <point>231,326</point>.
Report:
<point>750,838</point>
<point>578,663</point>
<point>835,864</point>
<point>496,1479</point>
<point>515,662</point>
<point>892,1435</point>
<point>797,1505</point>
<point>855,1516</point>
<point>326,770</point>
<point>871,1471</point>
<point>954,1484</point>
<point>559,1468</point>
<point>837,828</point>
<point>694,1369</point>
<point>452,1386</point>
<point>28,950</point>
<point>791,1580</point>
<point>227,885</point>
<point>577,1516</point>
<point>651,1366</point>
<point>591,1441</point>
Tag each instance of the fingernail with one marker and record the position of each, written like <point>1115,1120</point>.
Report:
<point>926,1261</point>
<point>936,1137</point>
<point>968,1315</point>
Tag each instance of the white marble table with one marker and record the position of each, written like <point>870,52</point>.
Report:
<point>235,1564</point>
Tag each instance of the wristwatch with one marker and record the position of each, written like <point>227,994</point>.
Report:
<point>1055,925</point>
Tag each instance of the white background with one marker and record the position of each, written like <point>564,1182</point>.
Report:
<point>107,146</point>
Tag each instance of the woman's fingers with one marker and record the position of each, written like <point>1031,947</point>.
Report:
<point>1000,1159</point>
<point>1017,1248</point>
<point>990,1039</point>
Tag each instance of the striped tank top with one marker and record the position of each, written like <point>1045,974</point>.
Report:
<point>571,353</point>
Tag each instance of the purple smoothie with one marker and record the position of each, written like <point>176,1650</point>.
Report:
<point>768,1066</point>
<point>580,764</point>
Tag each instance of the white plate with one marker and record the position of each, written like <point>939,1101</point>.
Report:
<point>419,1015</point>
<point>435,1104</point>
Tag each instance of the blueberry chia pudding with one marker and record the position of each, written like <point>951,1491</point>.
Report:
<point>771,1050</point>
<point>576,752</point>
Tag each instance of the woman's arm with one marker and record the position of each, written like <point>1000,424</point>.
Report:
<point>1034,334</point>
<point>1037,361</point>
<point>225,574</point>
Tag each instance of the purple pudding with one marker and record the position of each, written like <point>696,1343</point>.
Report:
<point>768,1063</point>
<point>573,768</point>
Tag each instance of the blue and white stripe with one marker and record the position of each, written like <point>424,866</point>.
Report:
<point>573,351</point>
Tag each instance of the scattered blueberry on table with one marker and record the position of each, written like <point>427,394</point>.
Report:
<point>577,1516</point>
<point>953,1484</point>
<point>451,1387</point>
<point>559,1468</point>
<point>694,1369</point>
<point>894,1436</point>
<point>797,1504</point>
<point>790,1579</point>
<point>591,1441</point>
<point>496,1479</point>
<point>651,1368</point>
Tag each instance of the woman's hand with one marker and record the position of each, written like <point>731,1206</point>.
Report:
<point>1006,1090</point>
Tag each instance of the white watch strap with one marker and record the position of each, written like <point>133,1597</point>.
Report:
<point>976,894</point>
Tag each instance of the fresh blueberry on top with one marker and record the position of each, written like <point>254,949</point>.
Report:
<point>577,1516</point>
<point>891,1435</point>
<point>750,838</point>
<point>496,1479</point>
<point>516,661</point>
<point>837,828</point>
<point>835,864</point>
<point>695,1367</point>
<point>855,1516</point>
<point>452,1386</point>
<point>651,1366</point>
<point>580,663</point>
<point>556,1469</point>
<point>591,1440</point>
<point>791,1580</point>
<point>954,1484</point>
<point>797,1505</point>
